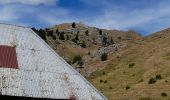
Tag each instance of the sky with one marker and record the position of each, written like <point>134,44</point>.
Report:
<point>143,16</point>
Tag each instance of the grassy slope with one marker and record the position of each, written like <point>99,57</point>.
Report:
<point>151,57</point>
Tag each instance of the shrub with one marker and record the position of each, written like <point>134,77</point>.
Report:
<point>111,41</point>
<point>42,34</point>
<point>104,57</point>
<point>105,81</point>
<point>56,31</point>
<point>103,73</point>
<point>141,80</point>
<point>34,29</point>
<point>119,38</point>
<point>50,33</point>
<point>80,62</point>
<point>76,58</point>
<point>131,65</point>
<point>77,36</point>
<point>54,37</point>
<point>104,41</point>
<point>100,32</point>
<point>158,77</point>
<point>83,44</point>
<point>152,80</point>
<point>110,87</point>
<point>87,33</point>
<point>127,87</point>
<point>163,94</point>
<point>67,37</point>
<point>89,53</point>
<point>69,62</point>
<point>61,37</point>
<point>101,81</point>
<point>75,40</point>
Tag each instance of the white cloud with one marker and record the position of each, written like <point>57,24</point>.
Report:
<point>32,15</point>
<point>29,2</point>
<point>111,19</point>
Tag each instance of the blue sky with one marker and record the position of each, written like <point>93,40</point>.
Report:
<point>144,16</point>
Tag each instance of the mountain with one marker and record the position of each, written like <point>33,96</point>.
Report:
<point>122,64</point>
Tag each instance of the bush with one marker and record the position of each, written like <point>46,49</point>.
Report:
<point>87,33</point>
<point>152,80</point>
<point>163,94</point>
<point>77,36</point>
<point>105,81</point>
<point>80,62</point>
<point>127,87</point>
<point>57,31</point>
<point>101,81</point>
<point>119,38</point>
<point>42,34</point>
<point>104,57</point>
<point>34,29</point>
<point>83,44</point>
<point>131,65</point>
<point>158,77</point>
<point>54,37</point>
<point>75,40</point>
<point>61,37</point>
<point>100,32</point>
<point>104,41</point>
<point>89,53</point>
<point>67,37</point>
<point>69,62</point>
<point>50,33</point>
<point>111,41</point>
<point>77,58</point>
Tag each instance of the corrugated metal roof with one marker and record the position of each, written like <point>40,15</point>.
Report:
<point>41,72</point>
<point>8,57</point>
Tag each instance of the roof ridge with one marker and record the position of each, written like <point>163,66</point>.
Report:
<point>15,25</point>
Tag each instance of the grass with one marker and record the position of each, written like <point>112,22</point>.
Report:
<point>147,62</point>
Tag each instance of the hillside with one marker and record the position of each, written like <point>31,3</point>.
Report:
<point>140,71</point>
<point>136,67</point>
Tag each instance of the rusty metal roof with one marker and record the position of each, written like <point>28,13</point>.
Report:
<point>8,58</point>
<point>41,71</point>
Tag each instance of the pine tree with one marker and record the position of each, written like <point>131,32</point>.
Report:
<point>77,36</point>
<point>100,32</point>
<point>42,34</point>
<point>61,37</point>
<point>87,33</point>
<point>73,25</point>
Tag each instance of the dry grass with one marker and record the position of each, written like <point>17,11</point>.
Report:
<point>150,58</point>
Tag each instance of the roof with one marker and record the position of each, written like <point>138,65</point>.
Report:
<point>41,71</point>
